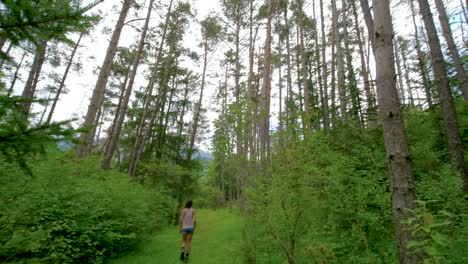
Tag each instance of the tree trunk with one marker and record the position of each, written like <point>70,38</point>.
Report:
<point>7,52</point>
<point>371,114</point>
<point>196,116</point>
<point>326,114</point>
<point>421,59</point>
<point>2,42</point>
<point>449,115</point>
<point>135,155</point>
<point>289,99</point>
<point>98,93</point>
<point>401,92</point>
<point>106,161</point>
<point>15,76</point>
<point>180,125</point>
<point>117,109</point>
<point>33,78</point>
<point>280,79</point>
<point>369,22</point>
<point>62,82</point>
<point>401,173</point>
<point>250,102</point>
<point>457,62</point>
<point>266,89</point>
<point>340,62</point>
<point>300,18</point>
<point>333,73</point>
<point>352,83</point>
<point>406,69</point>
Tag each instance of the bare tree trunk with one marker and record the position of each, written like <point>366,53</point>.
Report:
<point>135,155</point>
<point>15,76</point>
<point>45,108</point>
<point>196,116</point>
<point>449,115</point>
<point>180,125</point>
<point>300,18</point>
<point>326,114</point>
<point>280,85</point>
<point>333,74</point>
<point>2,42</point>
<point>114,138</point>
<point>401,93</point>
<point>421,59</point>
<point>7,52</point>
<point>33,78</point>
<point>401,173</point>
<point>352,83</point>
<point>371,113</point>
<point>407,78</point>
<point>289,101</point>
<point>98,93</point>
<point>340,61</point>
<point>250,102</point>
<point>266,89</point>
<point>62,82</point>
<point>452,47</point>
<point>117,109</point>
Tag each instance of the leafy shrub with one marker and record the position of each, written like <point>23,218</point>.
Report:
<point>73,212</point>
<point>327,198</point>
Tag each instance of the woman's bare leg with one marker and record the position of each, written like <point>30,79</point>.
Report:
<point>184,238</point>
<point>188,243</point>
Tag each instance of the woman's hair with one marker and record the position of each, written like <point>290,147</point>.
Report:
<point>188,204</point>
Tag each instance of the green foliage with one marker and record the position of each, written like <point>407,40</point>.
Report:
<point>18,139</point>
<point>73,212</point>
<point>436,239</point>
<point>327,198</point>
<point>44,19</point>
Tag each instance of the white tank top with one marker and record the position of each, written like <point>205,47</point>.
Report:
<point>188,219</point>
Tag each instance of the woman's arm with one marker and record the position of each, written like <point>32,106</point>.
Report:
<point>182,220</point>
<point>194,219</point>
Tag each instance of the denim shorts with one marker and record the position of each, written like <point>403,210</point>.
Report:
<point>188,231</point>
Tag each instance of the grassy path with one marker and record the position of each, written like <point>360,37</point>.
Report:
<point>216,240</point>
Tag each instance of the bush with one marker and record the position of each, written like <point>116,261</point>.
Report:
<point>73,212</point>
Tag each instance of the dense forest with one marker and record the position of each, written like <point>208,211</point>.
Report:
<point>326,131</point>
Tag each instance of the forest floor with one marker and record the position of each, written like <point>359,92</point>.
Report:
<point>217,239</point>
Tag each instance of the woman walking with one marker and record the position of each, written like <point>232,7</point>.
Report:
<point>187,228</point>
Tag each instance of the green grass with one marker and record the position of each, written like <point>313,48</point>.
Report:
<point>217,239</point>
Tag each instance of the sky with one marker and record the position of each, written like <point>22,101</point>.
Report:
<point>93,48</point>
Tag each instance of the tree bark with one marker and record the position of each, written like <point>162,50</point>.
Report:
<point>352,83</point>
<point>326,114</point>
<point>135,154</point>
<point>196,116</point>
<point>421,59</point>
<point>401,173</point>
<point>114,138</point>
<point>406,69</point>
<point>250,99</point>
<point>457,62</point>
<point>340,62</point>
<point>449,115</point>
<point>62,82</point>
<point>371,113</point>
<point>264,130</point>
<point>300,18</point>
<point>289,101</point>
<point>98,93</point>
<point>401,93</point>
<point>33,78</point>
<point>15,76</point>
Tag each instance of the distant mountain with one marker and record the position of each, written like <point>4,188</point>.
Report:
<point>203,156</point>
